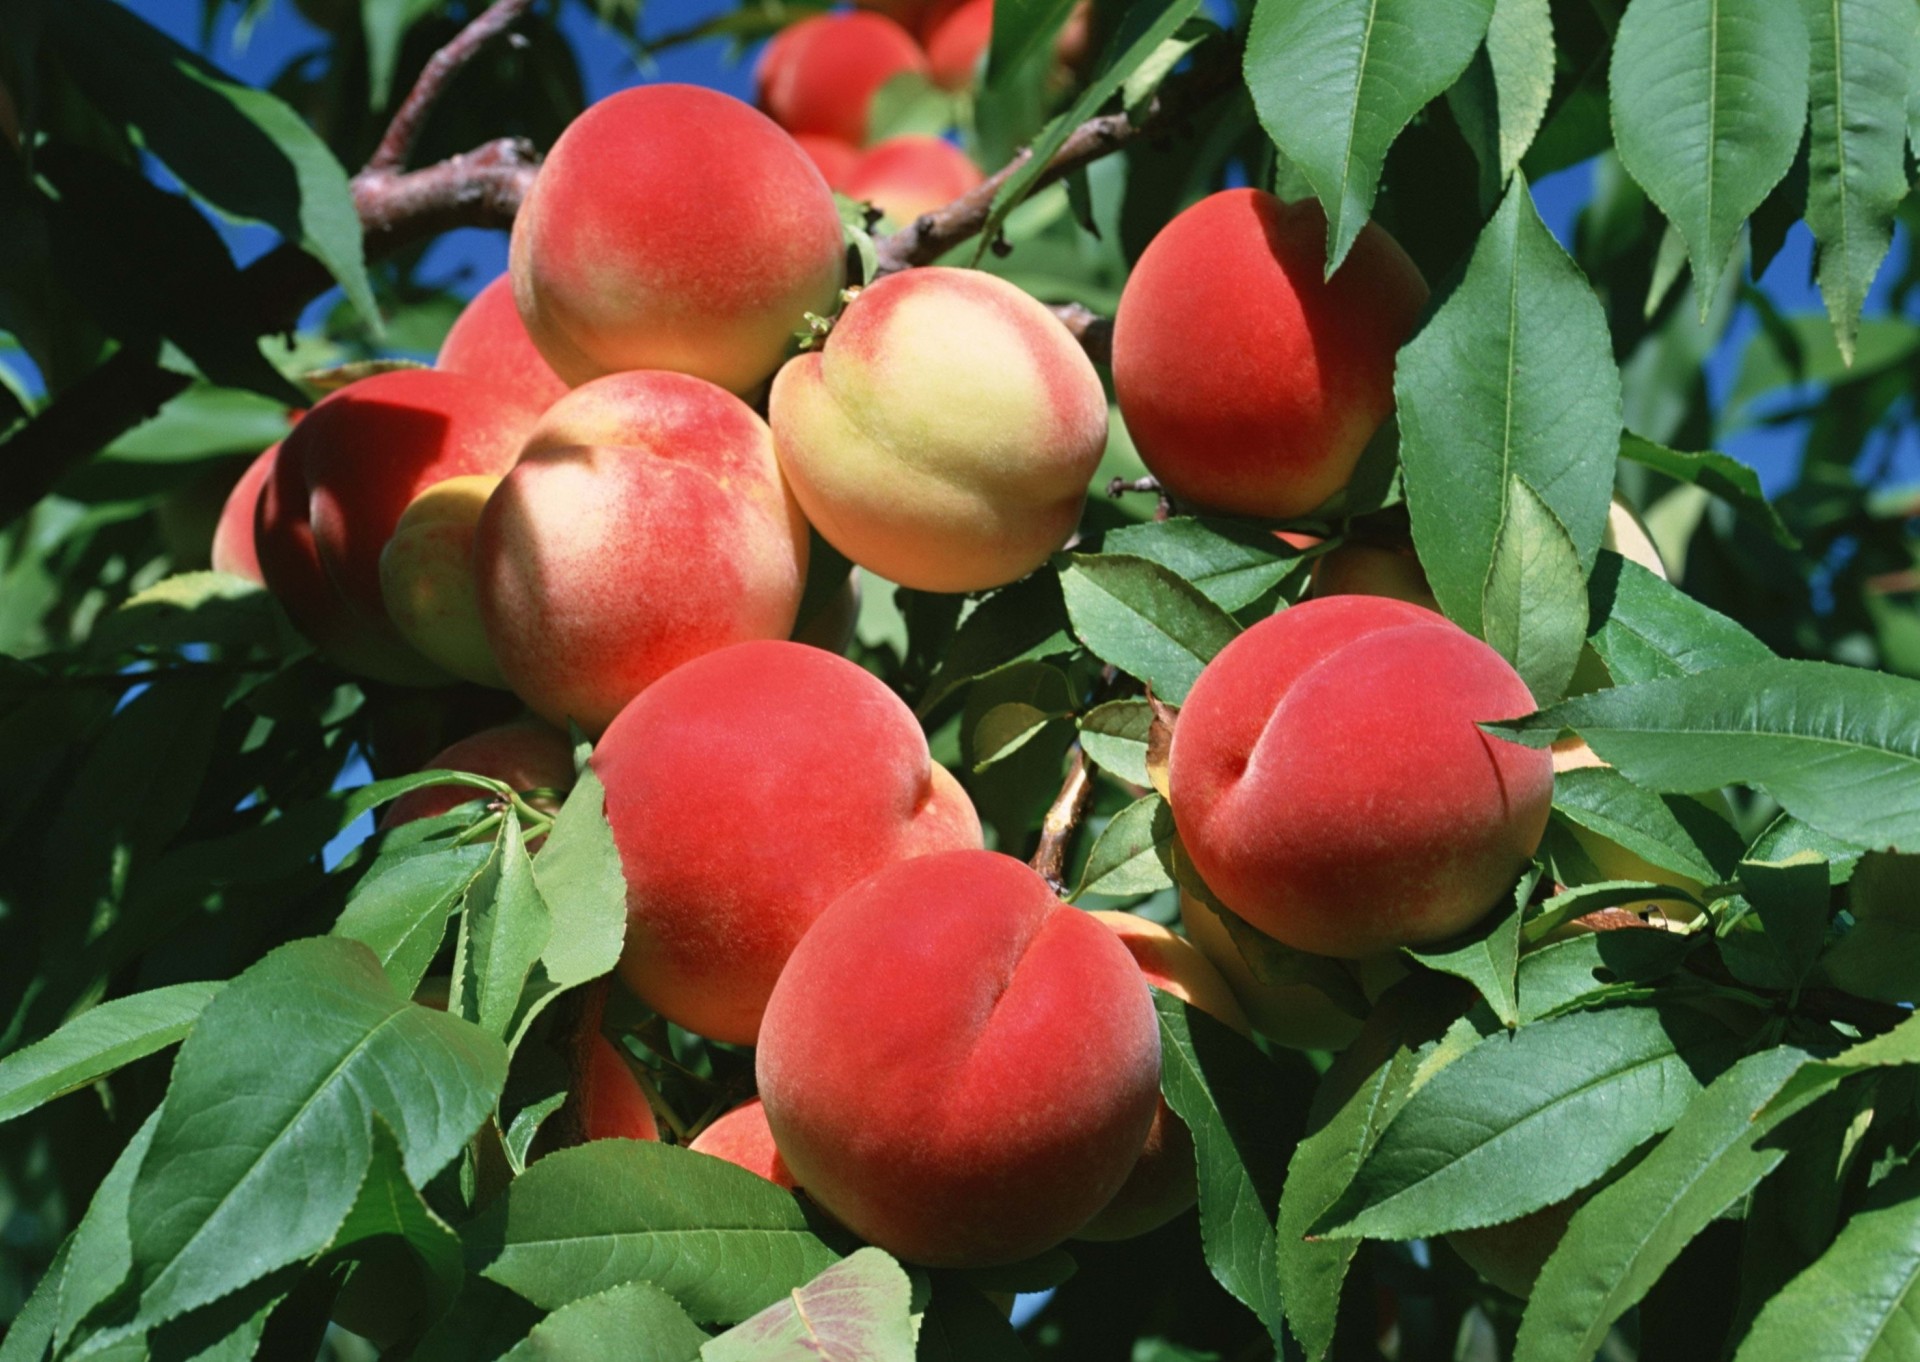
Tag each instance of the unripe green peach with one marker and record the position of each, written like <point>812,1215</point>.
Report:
<point>426,577</point>
<point>944,436</point>
<point>1296,1015</point>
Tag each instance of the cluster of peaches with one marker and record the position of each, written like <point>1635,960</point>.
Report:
<point>601,498</point>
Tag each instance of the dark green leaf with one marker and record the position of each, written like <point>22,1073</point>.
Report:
<point>1143,619</point>
<point>1645,628</point>
<point>1007,709</point>
<point>400,909</point>
<point>1727,478</point>
<point>1596,967</point>
<point>1234,564</point>
<point>1673,832</point>
<point>1485,956</point>
<point>388,1205</point>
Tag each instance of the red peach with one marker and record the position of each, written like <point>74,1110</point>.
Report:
<point>1163,1182</point>
<point>742,1137</point>
<point>489,341</point>
<point>958,1067</point>
<point>732,841</point>
<point>956,35</point>
<point>526,755</point>
<point>944,436</point>
<point>1331,783</point>
<point>906,176</point>
<point>612,1105</point>
<point>645,524</point>
<point>830,156</point>
<point>233,549</point>
<point>677,228</point>
<point>820,75</point>
<point>1250,384</point>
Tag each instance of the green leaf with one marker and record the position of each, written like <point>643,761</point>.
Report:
<point>388,1205</point>
<point>1520,49</point>
<point>400,910</point>
<point>1644,627</point>
<point>384,25</point>
<point>1864,54</point>
<point>287,1066</point>
<point>1835,745</point>
<point>1630,1232</point>
<point>1513,377</point>
<point>1022,28</point>
<point>1130,855</point>
<point>1569,904</point>
<point>1596,967</point>
<point>1143,619</point>
<point>635,1319</point>
<point>1534,605</point>
<point>99,1254</point>
<point>1114,737</point>
<point>1529,1118</point>
<point>1334,82</point>
<point>961,1325</point>
<point>578,874</point>
<point>1727,478</point>
<point>30,1333</point>
<point>239,149</point>
<point>724,1242</point>
<point>503,931</point>
<point>1896,1048</point>
<point>1859,1301</point>
<point>1022,622</point>
<point>1786,837</point>
<point>1709,100</point>
<point>1792,902</point>
<point>97,1042</point>
<point>1673,832</point>
<point>1008,708</point>
<point>1486,957</point>
<point>1236,1102</point>
<point>1232,563</point>
<point>859,1309</point>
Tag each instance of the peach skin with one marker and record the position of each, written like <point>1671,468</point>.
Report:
<point>526,755</point>
<point>741,1136</point>
<point>819,76</point>
<point>426,578</point>
<point>489,341</point>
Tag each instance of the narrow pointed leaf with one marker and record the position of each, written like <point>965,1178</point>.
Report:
<point>1143,619</point>
<point>97,1042</point>
<point>1520,48</point>
<point>579,877</point>
<point>505,927</point>
<point>1534,605</point>
<point>400,910</point>
<point>1645,628</point>
<point>1727,478</point>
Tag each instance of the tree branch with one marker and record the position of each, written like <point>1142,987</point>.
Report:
<point>1062,820</point>
<point>435,76</point>
<point>1094,332</point>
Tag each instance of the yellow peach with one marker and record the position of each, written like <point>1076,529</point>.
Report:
<point>426,577</point>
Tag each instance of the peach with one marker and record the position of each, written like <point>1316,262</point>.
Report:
<point>830,156</point>
<point>1163,1182</point>
<point>742,1137</point>
<point>426,578</point>
<point>957,1066</point>
<point>526,755</point>
<point>612,1104</point>
<point>1250,383</point>
<point>820,75</point>
<point>746,791</point>
<point>233,549</point>
<point>489,341</point>
<point>644,525</point>
<point>1363,568</point>
<point>677,228</point>
<point>956,36</point>
<point>944,436</point>
<point>906,176</point>
<point>1296,1015</point>
<point>1627,536</point>
<point>1330,782</point>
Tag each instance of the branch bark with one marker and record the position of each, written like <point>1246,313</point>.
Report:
<point>1062,821</point>
<point>435,76</point>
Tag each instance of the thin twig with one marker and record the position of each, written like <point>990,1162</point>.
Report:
<point>1062,821</point>
<point>435,76</point>
<point>1094,332</point>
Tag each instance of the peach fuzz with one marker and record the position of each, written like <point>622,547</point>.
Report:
<point>742,1136</point>
<point>906,176</point>
<point>1249,383</point>
<point>645,524</point>
<point>1296,1015</point>
<point>612,1105</point>
<point>673,227</point>
<point>944,436</point>
<point>426,578</point>
<point>489,341</point>
<point>746,791</point>
<point>820,75</point>
<point>958,1067</point>
<point>956,36</point>
<point>1332,786</point>
<point>830,156</point>
<point>233,548</point>
<point>526,755</point>
<point>1163,1182</point>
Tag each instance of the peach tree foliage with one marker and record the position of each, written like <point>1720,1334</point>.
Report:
<point>223,1120</point>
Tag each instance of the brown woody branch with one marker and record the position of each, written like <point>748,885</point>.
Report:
<point>1094,332</point>
<point>435,76</point>
<point>1062,821</point>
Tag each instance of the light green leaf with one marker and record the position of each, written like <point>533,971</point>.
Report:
<point>1334,82</point>
<point>635,1319</point>
<point>1645,628</point>
<point>1513,377</point>
<point>724,1242</point>
<point>860,1310</point>
<point>1526,1119</point>
<point>1709,100</point>
<point>97,1042</point>
<point>503,930</point>
<point>1233,563</point>
<point>1130,855</point>
<point>1836,746</point>
<point>1520,48</point>
<point>578,875</point>
<point>400,910</point>
<point>226,1196</point>
<point>1623,1239</point>
<point>1143,619</point>
<point>1534,605</point>
<point>1864,56</point>
<point>1114,737</point>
